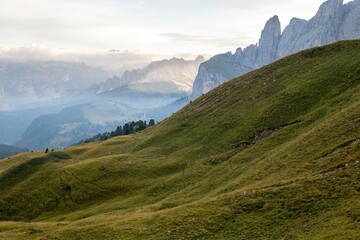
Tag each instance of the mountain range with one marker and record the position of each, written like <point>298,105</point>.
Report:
<point>73,124</point>
<point>273,154</point>
<point>267,146</point>
<point>28,84</point>
<point>155,91</point>
<point>333,22</point>
<point>176,71</point>
<point>99,107</point>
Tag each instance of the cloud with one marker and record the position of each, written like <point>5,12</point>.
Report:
<point>155,26</point>
<point>32,53</point>
<point>256,4</point>
<point>240,38</point>
<point>114,61</point>
<point>263,4</point>
<point>118,61</point>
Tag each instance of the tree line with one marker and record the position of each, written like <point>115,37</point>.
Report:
<point>126,129</point>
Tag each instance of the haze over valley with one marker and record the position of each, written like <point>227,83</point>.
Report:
<point>35,90</point>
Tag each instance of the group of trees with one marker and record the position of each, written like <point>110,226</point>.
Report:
<point>126,129</point>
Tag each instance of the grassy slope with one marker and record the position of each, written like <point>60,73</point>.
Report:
<point>273,154</point>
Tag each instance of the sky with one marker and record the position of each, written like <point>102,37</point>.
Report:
<point>139,30</point>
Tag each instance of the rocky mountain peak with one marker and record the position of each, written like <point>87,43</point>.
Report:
<point>333,22</point>
<point>269,41</point>
<point>296,20</point>
<point>199,59</point>
<point>328,12</point>
<point>271,32</point>
<point>238,51</point>
<point>273,24</point>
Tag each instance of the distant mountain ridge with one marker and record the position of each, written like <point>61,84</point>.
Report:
<point>98,107</point>
<point>75,123</point>
<point>7,150</point>
<point>103,114</point>
<point>177,71</point>
<point>36,80</point>
<point>334,21</point>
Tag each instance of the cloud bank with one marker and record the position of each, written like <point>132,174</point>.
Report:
<point>113,61</point>
<point>202,26</point>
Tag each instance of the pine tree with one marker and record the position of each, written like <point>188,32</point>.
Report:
<point>126,129</point>
<point>152,122</point>
<point>119,131</point>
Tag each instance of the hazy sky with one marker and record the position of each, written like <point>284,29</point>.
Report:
<point>147,28</point>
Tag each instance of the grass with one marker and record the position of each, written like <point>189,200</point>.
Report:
<point>273,154</point>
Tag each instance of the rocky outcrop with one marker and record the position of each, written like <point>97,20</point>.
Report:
<point>334,21</point>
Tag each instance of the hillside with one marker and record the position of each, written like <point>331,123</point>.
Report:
<point>273,154</point>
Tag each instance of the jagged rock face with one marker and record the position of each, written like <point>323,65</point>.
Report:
<point>269,42</point>
<point>217,71</point>
<point>224,67</point>
<point>322,29</point>
<point>334,21</point>
<point>289,38</point>
<point>350,28</point>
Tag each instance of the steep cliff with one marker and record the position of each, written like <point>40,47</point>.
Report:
<point>334,21</point>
